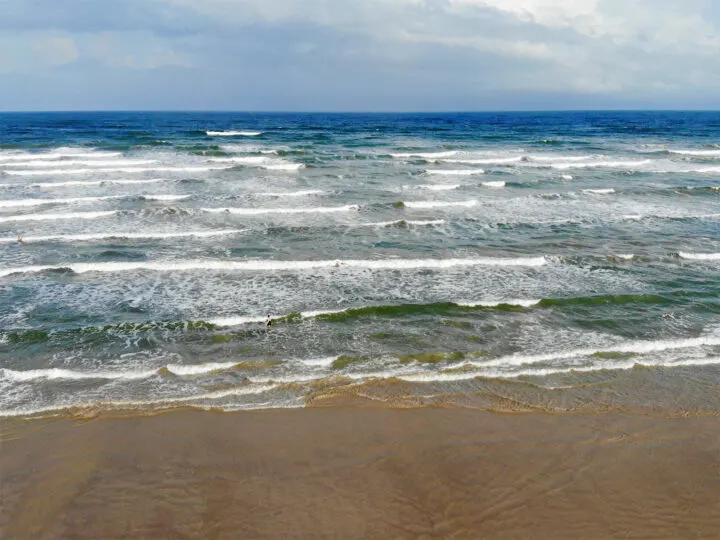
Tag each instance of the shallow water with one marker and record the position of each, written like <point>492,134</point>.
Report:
<point>427,255</point>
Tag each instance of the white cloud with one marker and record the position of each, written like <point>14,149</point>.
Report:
<point>56,50</point>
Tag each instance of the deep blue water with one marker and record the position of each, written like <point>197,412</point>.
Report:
<point>425,254</point>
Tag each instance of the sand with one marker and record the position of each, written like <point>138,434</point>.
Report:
<point>348,473</point>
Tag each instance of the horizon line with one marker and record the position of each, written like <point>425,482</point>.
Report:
<point>289,111</point>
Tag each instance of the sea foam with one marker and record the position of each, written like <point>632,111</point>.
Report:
<point>273,265</point>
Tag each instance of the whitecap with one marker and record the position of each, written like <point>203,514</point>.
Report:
<point>275,265</point>
<point>456,172</point>
<point>69,215</point>
<point>233,133</point>
<point>439,204</point>
<point>261,211</point>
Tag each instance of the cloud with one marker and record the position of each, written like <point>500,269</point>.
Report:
<point>373,54</point>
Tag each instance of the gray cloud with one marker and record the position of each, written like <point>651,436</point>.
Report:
<point>358,54</point>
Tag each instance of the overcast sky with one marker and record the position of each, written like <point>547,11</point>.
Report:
<point>359,55</point>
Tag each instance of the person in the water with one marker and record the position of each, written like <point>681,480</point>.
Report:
<point>268,321</point>
<point>20,241</point>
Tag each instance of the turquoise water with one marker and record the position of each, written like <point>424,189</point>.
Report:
<point>555,260</point>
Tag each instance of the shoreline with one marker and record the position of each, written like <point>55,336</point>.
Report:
<point>361,472</point>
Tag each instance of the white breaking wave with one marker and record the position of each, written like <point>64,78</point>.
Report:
<point>566,176</point>
<point>552,157</point>
<point>53,172</point>
<point>626,256</point>
<point>301,193</point>
<point>439,204</point>
<point>637,347</point>
<point>272,265</point>
<point>247,160</point>
<point>284,166</point>
<point>605,191</point>
<point>239,320</point>
<point>260,211</point>
<point>700,256</point>
<point>234,133</point>
<point>90,163</point>
<point>540,372</point>
<point>495,184</point>
<point>69,215</point>
<point>121,235</point>
<point>426,155</point>
<point>456,172</point>
<point>57,156</point>
<point>486,161</point>
<point>57,373</point>
<point>699,153</point>
<point>252,319</point>
<point>434,187</point>
<point>706,170</point>
<point>39,202</point>
<point>600,164</point>
<point>92,183</point>
<point>166,401</point>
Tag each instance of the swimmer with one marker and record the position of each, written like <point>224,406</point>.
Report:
<point>268,321</point>
<point>20,241</point>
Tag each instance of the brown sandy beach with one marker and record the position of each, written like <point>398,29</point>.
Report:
<point>361,473</point>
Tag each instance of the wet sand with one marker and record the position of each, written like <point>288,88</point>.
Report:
<point>361,473</point>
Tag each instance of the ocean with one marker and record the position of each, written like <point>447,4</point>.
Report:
<point>501,261</point>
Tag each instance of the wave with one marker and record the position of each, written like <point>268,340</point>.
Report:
<point>233,133</point>
<point>91,183</point>
<point>699,153</point>
<point>542,372</point>
<point>600,164</point>
<point>705,170</point>
<point>397,310</point>
<point>636,347</point>
<point>699,256</point>
<point>284,167</point>
<point>426,155</point>
<point>161,402</point>
<point>566,176</point>
<point>69,215</point>
<point>300,193</point>
<point>456,172</point>
<point>433,187</point>
<point>449,308</point>
<point>247,160</point>
<point>494,184</point>
<point>604,191</point>
<point>273,265</point>
<point>39,202</point>
<point>439,204</point>
<point>122,236</point>
<point>554,157</point>
<point>90,163</point>
<point>164,197</point>
<point>53,172</point>
<point>57,155</point>
<point>260,211</point>
<point>402,223</point>
<point>486,161</point>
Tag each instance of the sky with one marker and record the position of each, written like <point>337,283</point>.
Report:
<point>359,55</point>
